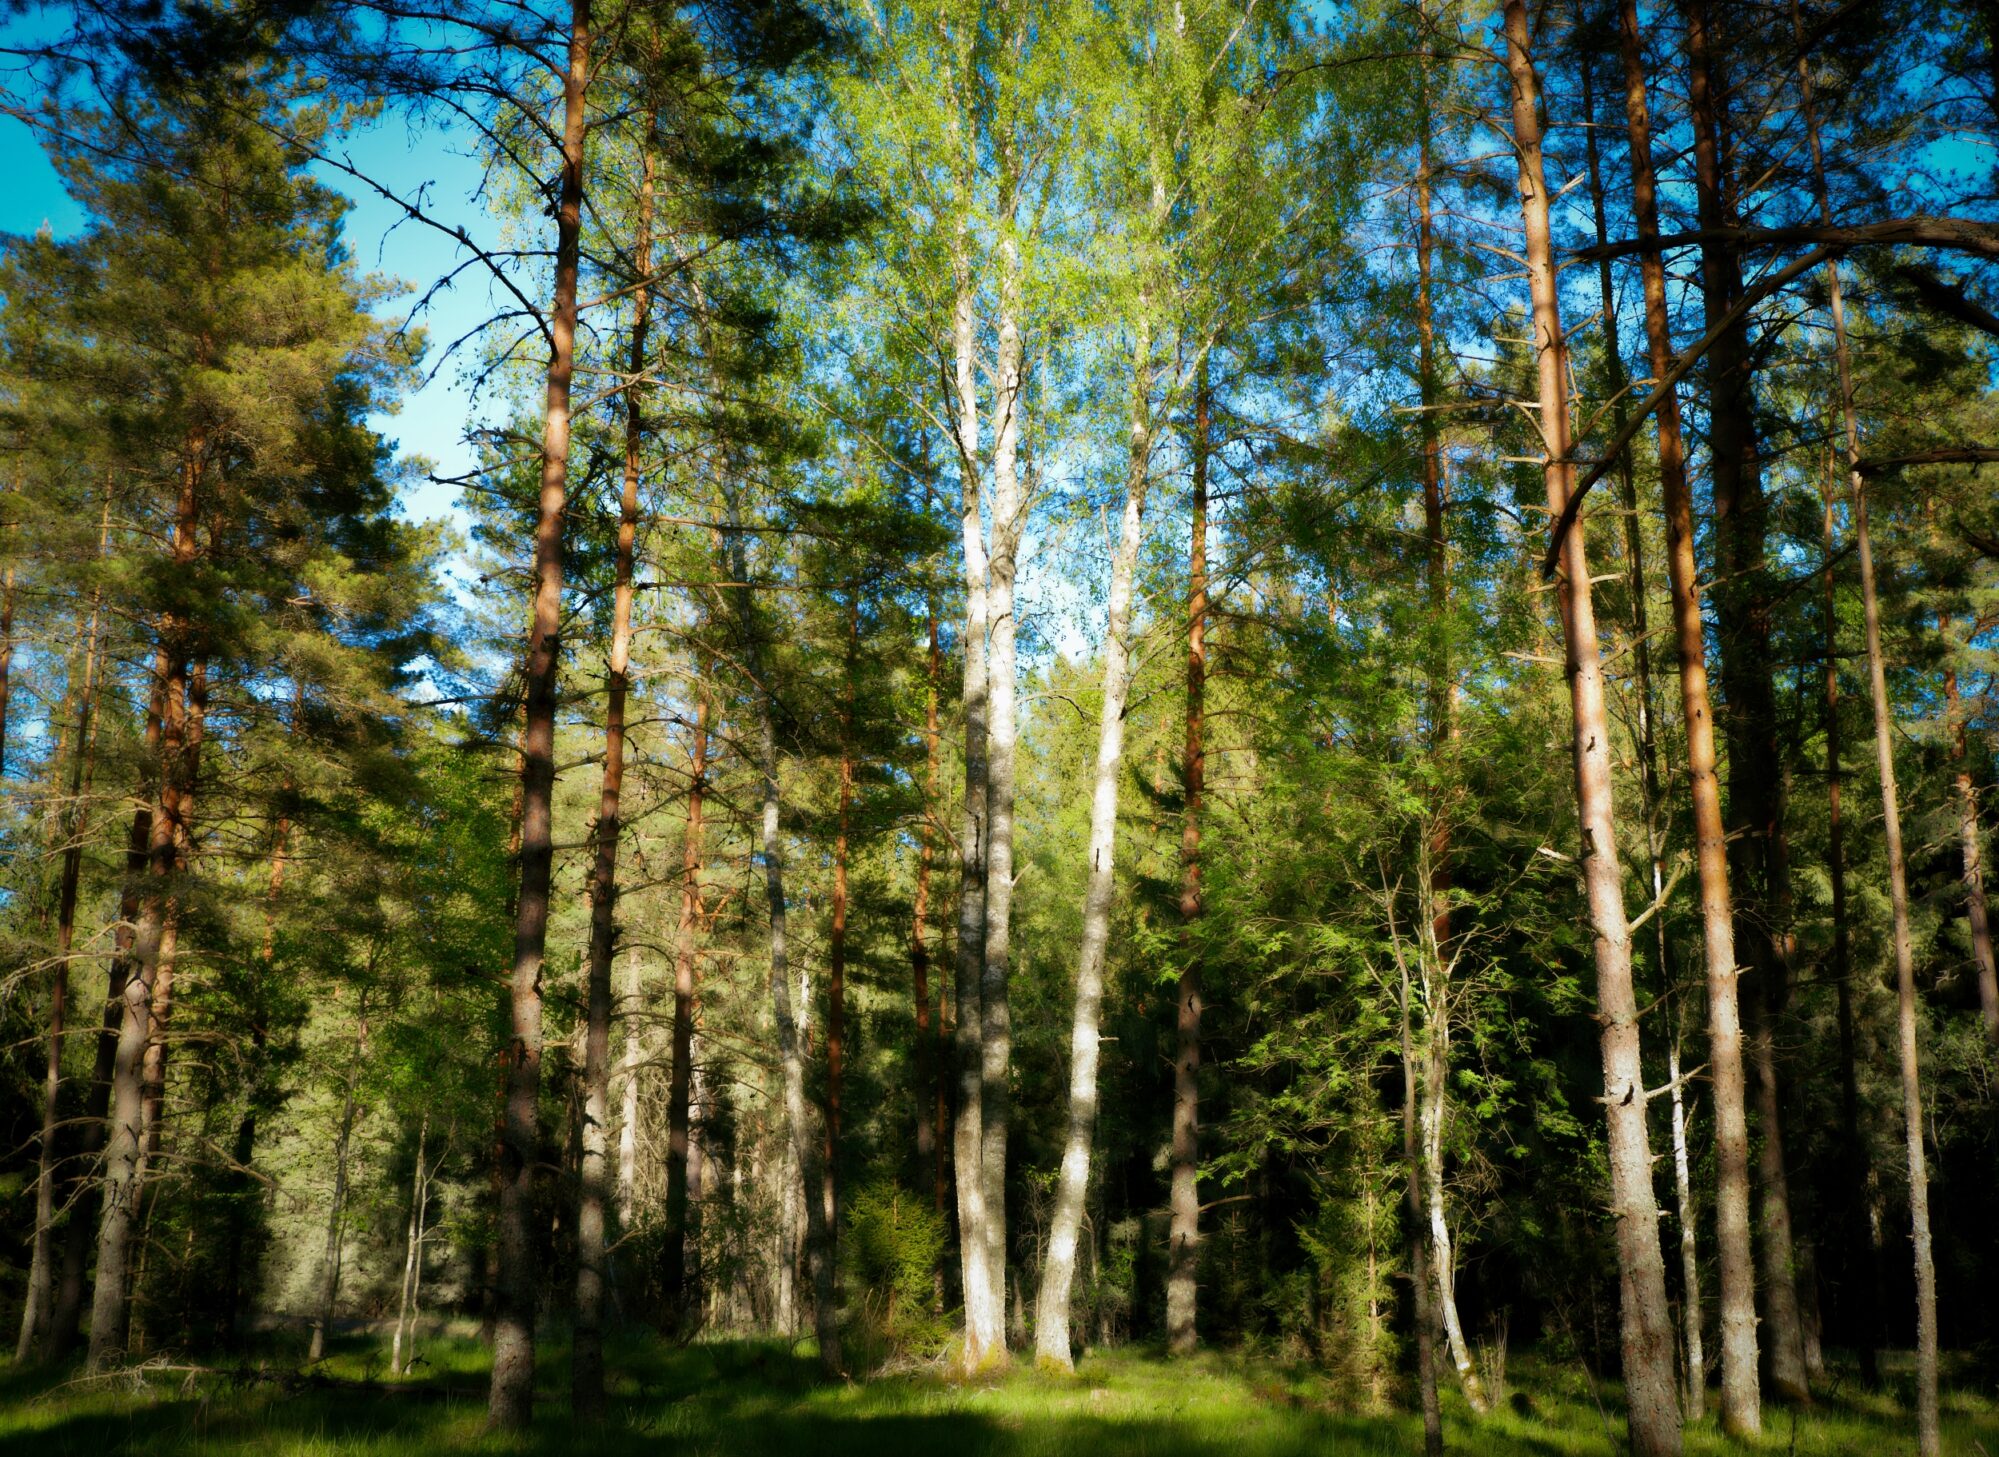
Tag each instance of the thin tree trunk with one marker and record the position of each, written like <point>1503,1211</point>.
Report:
<point>6,655</point>
<point>1905,970</point>
<point>1002,733</point>
<point>38,1311</point>
<point>633,999</point>
<point>792,1056</point>
<point>836,978</point>
<point>1741,1409</point>
<point>1695,1395</point>
<point>1928,1439</point>
<point>593,1190</point>
<point>679,1143</point>
<point>1755,767</point>
<point>1862,1248</point>
<point>983,1313</point>
<point>329,1264</point>
<point>1419,1271</point>
<point>1437,846</point>
<point>932,1081</point>
<point>511,1402</point>
<point>1647,1327</point>
<point>411,1255</point>
<point>1184,1235</point>
<point>1058,1268</point>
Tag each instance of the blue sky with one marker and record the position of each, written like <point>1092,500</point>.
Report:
<point>432,421</point>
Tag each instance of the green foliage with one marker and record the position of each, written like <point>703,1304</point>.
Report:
<point>891,1255</point>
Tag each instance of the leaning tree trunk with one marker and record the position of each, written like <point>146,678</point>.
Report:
<point>510,1403</point>
<point>1647,1334</point>
<point>1184,1199</point>
<point>593,1184</point>
<point>1740,1396</point>
<point>1858,1176</point>
<point>1928,1438</point>
<point>37,1313</point>
<point>1929,1441</point>
<point>1058,1267</point>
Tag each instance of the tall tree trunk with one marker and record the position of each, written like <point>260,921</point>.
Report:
<point>1058,1269</point>
<point>153,1077</point>
<point>1647,1327</point>
<point>1919,1201</point>
<point>1862,1249</point>
<point>983,1312</point>
<point>1184,1234</point>
<point>85,1219</point>
<point>124,1169</point>
<point>1929,1441</point>
<point>679,1142</point>
<point>802,1176</point>
<point>792,1056</point>
<point>1755,767</point>
<point>1741,1404</point>
<point>1928,1438</point>
<point>336,1211</point>
<point>593,1184</point>
<point>510,1404</point>
<point>836,978</point>
<point>932,1095</point>
<point>1002,733</point>
<point>37,1313</point>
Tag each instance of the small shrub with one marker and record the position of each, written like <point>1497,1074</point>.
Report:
<point>889,1255</point>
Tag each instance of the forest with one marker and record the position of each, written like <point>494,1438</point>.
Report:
<point>1138,726</point>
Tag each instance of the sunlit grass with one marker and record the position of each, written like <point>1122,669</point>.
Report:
<point>762,1400</point>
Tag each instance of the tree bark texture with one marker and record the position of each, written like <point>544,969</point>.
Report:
<point>593,1184</point>
<point>1741,1409</point>
<point>686,983</point>
<point>1647,1336</point>
<point>1052,1323</point>
<point>511,1401</point>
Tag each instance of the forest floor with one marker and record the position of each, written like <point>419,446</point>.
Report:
<point>758,1400</point>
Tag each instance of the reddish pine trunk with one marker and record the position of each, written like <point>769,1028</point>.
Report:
<point>511,1401</point>
<point>1185,1231</point>
<point>593,1183</point>
<point>1647,1329</point>
<point>1740,1397</point>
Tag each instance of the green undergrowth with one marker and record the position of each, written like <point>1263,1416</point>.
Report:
<point>763,1400</point>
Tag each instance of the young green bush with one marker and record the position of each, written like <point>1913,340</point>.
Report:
<point>890,1251</point>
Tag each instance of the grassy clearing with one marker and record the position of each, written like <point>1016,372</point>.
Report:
<point>762,1401</point>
